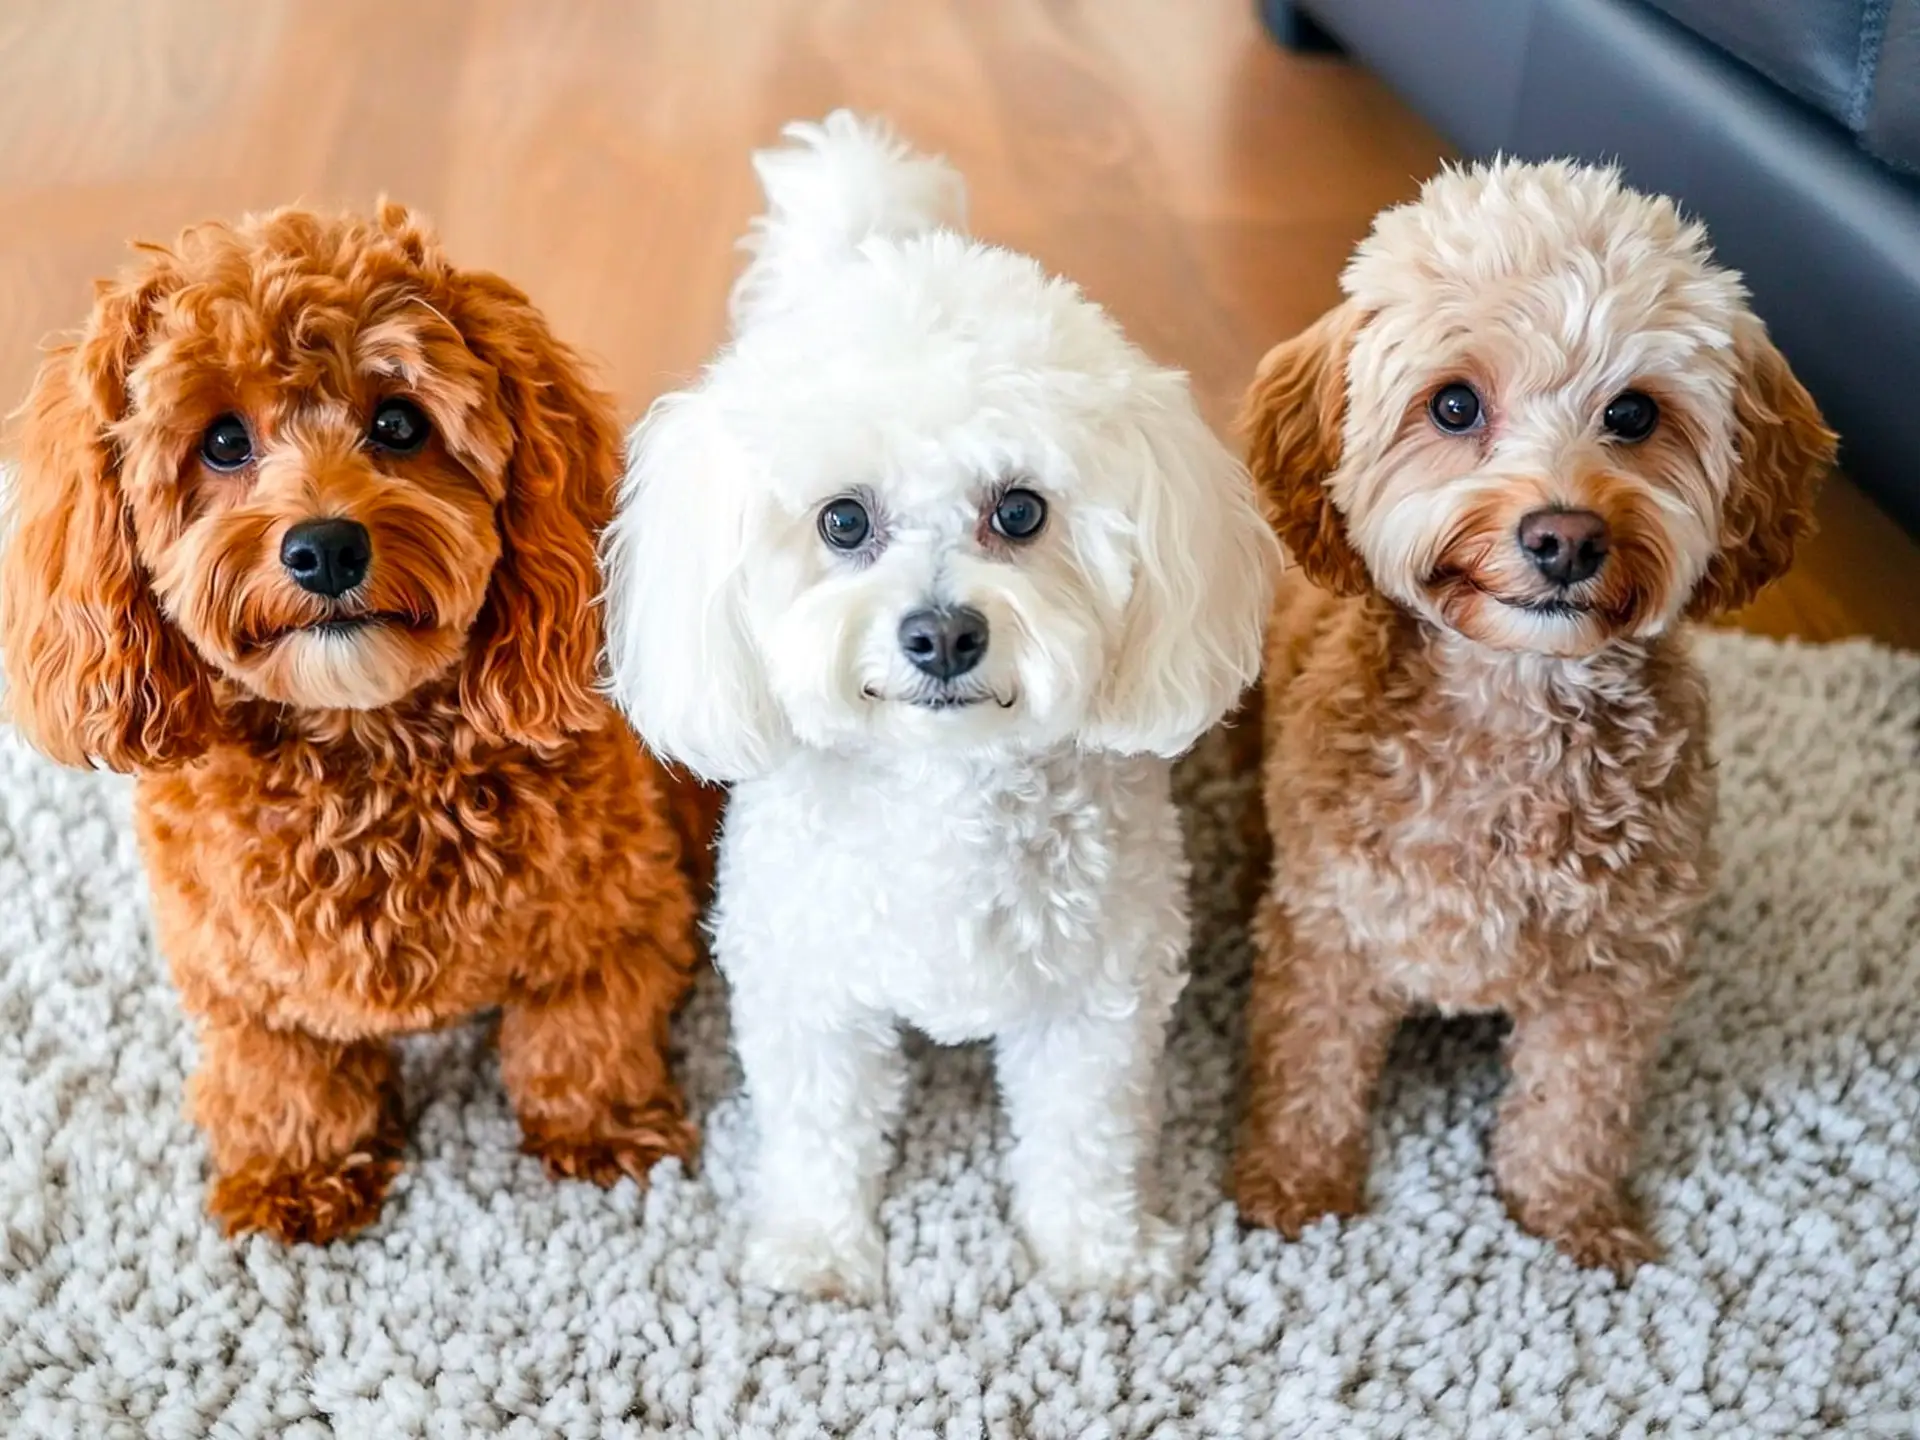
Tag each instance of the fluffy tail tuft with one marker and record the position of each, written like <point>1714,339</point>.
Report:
<point>836,183</point>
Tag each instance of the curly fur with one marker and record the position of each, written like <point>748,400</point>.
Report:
<point>384,811</point>
<point>1485,793</point>
<point>992,856</point>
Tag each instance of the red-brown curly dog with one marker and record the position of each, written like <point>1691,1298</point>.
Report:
<point>305,536</point>
<point>1541,434</point>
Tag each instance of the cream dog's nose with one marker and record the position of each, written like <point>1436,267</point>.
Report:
<point>1566,546</point>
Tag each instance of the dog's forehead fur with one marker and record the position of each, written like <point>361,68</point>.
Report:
<point>944,353</point>
<point>1558,276</point>
<point>292,295</point>
<point>291,311</point>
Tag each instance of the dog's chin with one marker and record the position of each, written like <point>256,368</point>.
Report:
<point>1566,627</point>
<point>941,700</point>
<point>944,719</point>
<point>362,663</point>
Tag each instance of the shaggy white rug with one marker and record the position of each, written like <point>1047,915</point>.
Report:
<point>1780,1167</point>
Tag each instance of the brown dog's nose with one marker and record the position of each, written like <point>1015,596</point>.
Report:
<point>327,557</point>
<point>1566,546</point>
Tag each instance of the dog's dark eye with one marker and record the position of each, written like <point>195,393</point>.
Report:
<point>1019,515</point>
<point>226,444</point>
<point>399,427</point>
<point>1630,416</point>
<point>1455,408</point>
<point>844,524</point>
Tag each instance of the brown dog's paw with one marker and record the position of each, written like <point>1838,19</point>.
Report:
<point>1609,1236</point>
<point>305,1207</point>
<point>1291,1202</point>
<point>632,1147</point>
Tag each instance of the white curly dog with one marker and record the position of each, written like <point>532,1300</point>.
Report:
<point>938,571</point>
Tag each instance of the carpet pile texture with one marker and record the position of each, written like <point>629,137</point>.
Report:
<point>1781,1166</point>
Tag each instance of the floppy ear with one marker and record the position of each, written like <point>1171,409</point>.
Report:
<point>1784,451</point>
<point>95,674</point>
<point>534,651</point>
<point>684,665</point>
<point>1205,565</point>
<point>1294,414</point>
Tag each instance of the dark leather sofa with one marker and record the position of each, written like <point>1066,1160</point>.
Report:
<point>1792,127</point>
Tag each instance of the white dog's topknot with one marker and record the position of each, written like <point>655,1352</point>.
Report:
<point>837,183</point>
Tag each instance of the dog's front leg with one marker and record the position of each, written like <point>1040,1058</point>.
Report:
<point>1319,1027</point>
<point>305,1132</point>
<point>826,1092</point>
<point>584,1058</point>
<point>1082,1091</point>
<point>1568,1126</point>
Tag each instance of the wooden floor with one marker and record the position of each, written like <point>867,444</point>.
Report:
<point>1193,178</point>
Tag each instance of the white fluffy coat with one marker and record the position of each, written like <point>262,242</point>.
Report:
<point>992,855</point>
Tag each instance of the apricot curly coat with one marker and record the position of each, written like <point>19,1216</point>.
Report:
<point>1488,790</point>
<point>378,812</point>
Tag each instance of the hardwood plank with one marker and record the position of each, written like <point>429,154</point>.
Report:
<point>1200,182</point>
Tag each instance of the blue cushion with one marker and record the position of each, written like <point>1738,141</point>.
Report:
<point>1892,129</point>
<point>1824,51</point>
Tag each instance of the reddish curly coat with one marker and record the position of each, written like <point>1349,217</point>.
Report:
<point>326,878</point>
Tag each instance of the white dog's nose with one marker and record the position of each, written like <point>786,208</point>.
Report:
<point>944,643</point>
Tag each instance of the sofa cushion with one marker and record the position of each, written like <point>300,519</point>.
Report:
<point>1821,50</point>
<point>1892,129</point>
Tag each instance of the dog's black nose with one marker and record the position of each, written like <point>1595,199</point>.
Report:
<point>327,557</point>
<point>1566,546</point>
<point>944,643</point>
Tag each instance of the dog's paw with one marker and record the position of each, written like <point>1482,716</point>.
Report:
<point>817,1263</point>
<point>305,1207</point>
<point>1291,1201</point>
<point>1150,1254</point>
<point>1606,1236</point>
<point>1601,1245</point>
<point>632,1148</point>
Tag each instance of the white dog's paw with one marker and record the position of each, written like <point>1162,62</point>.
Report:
<point>1149,1254</point>
<point>817,1262</point>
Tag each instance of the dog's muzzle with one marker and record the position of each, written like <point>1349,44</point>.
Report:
<point>944,642</point>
